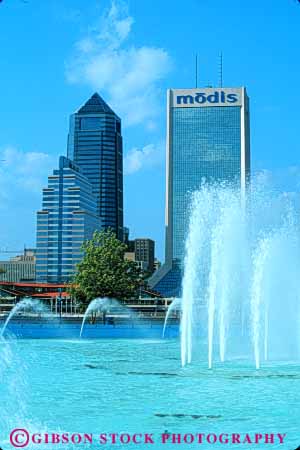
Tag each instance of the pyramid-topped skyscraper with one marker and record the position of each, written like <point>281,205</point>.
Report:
<point>95,145</point>
<point>95,105</point>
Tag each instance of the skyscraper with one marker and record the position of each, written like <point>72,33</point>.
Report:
<point>67,219</point>
<point>207,138</point>
<point>95,145</point>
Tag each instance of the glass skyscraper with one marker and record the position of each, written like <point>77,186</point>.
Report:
<point>68,218</point>
<point>207,139</point>
<point>95,145</point>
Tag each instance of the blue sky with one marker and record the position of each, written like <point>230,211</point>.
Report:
<point>56,53</point>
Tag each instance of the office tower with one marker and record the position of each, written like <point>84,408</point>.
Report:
<point>142,252</point>
<point>207,139</point>
<point>126,235</point>
<point>95,145</point>
<point>68,218</point>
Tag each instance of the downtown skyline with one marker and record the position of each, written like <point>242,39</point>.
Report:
<point>84,195</point>
<point>36,105</point>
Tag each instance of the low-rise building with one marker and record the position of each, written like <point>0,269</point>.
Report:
<point>19,268</point>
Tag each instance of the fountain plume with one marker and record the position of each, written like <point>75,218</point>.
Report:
<point>174,306</point>
<point>28,304</point>
<point>241,271</point>
<point>102,305</point>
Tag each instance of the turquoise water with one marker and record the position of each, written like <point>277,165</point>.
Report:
<point>138,386</point>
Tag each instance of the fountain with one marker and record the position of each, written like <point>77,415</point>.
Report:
<point>174,306</point>
<point>101,305</point>
<point>27,304</point>
<point>241,275</point>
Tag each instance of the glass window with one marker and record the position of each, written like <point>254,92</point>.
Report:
<point>90,123</point>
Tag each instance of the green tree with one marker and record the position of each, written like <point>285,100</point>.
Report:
<point>103,271</point>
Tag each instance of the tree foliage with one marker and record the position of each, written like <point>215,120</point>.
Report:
<point>103,271</point>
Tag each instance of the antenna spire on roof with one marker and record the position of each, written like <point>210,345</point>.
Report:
<point>196,70</point>
<point>221,69</point>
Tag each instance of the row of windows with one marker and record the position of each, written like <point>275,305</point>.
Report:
<point>206,143</point>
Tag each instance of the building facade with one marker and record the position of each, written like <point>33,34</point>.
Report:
<point>68,218</point>
<point>208,138</point>
<point>19,268</point>
<point>95,145</point>
<point>144,250</point>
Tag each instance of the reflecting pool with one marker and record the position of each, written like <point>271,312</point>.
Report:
<point>139,386</point>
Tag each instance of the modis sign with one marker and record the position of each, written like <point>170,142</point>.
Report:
<point>201,97</point>
<point>206,97</point>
